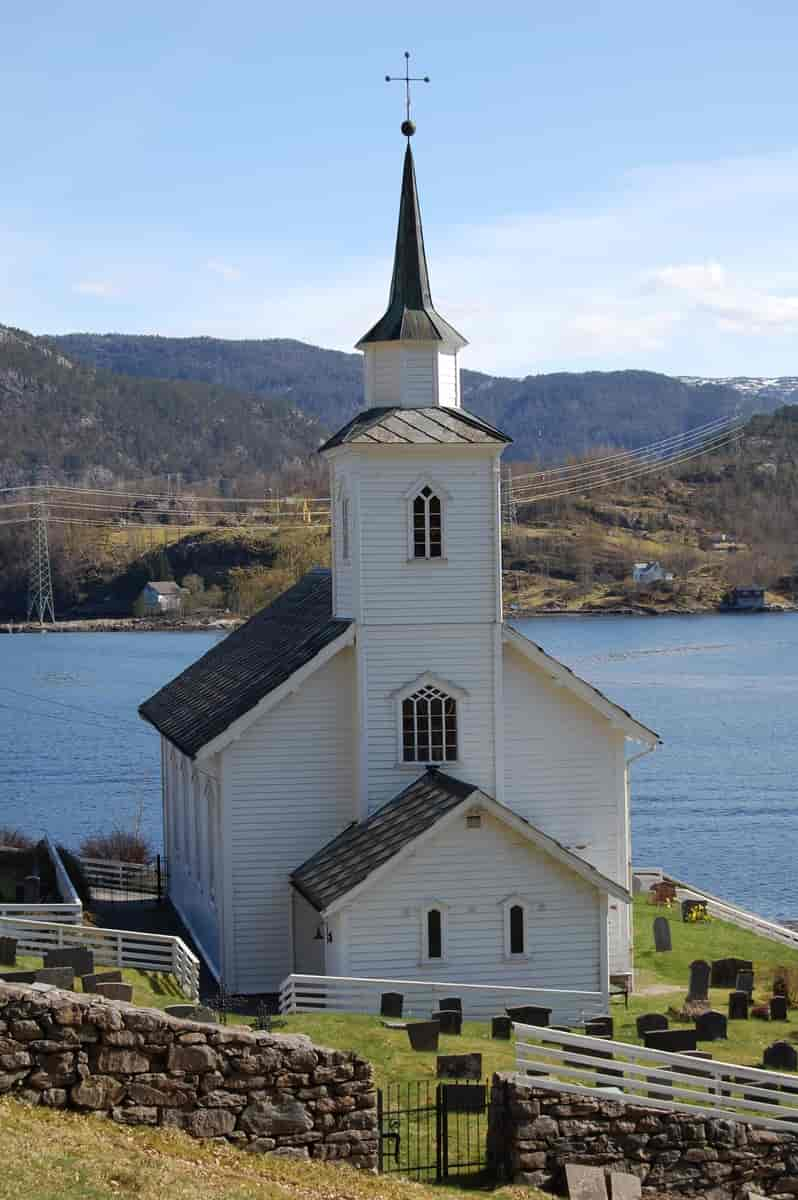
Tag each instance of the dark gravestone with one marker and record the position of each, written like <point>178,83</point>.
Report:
<point>738,1006</point>
<point>778,1008</point>
<point>673,1040</point>
<point>115,991</point>
<point>528,1014</point>
<point>18,976</point>
<point>585,1183</point>
<point>81,961</point>
<point>424,1035</point>
<point>60,977</point>
<point>745,981</point>
<point>502,1028</point>
<point>459,1066</point>
<point>391,1004</point>
<point>781,1056</point>
<point>449,1020</point>
<point>603,1027</point>
<point>689,905</point>
<point>698,988</point>
<point>464,1097</point>
<point>662,934</point>
<point>89,982</point>
<point>724,973</point>
<point>451,1003</point>
<point>31,889</point>
<point>8,951</point>
<point>649,1022</point>
<point>711,1026</point>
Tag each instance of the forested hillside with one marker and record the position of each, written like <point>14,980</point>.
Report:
<point>548,416</point>
<point>63,421</point>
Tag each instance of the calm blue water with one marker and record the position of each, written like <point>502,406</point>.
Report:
<point>717,804</point>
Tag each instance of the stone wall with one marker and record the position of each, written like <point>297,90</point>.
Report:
<point>537,1131</point>
<point>270,1093</point>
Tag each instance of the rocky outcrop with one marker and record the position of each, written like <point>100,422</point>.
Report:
<point>270,1093</point>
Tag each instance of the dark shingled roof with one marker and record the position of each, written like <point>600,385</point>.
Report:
<point>351,857</point>
<point>231,678</point>
<point>416,427</point>
<point>410,314</point>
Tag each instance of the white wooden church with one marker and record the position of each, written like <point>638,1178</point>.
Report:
<point>375,775</point>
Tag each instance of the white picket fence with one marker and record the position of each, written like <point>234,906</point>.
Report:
<point>335,993</point>
<point>120,876</point>
<point>568,1062</point>
<point>112,947</point>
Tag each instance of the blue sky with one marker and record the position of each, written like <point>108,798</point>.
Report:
<point>604,185</point>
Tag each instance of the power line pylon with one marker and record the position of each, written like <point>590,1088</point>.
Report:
<point>40,583</point>
<point>509,506</point>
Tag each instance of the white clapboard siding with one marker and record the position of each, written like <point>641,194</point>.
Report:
<point>457,654</point>
<point>398,589</point>
<point>330,993</point>
<point>383,375</point>
<point>564,770</point>
<point>448,380</point>
<point>288,789</point>
<point>409,375</point>
<point>419,382</point>
<point>473,871</point>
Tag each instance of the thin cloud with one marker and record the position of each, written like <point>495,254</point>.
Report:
<point>95,287</point>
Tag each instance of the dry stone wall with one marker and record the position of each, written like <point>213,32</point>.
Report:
<point>270,1093</point>
<point>536,1132</point>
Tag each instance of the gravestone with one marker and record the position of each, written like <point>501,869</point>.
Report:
<point>698,988</point>
<point>8,951</point>
<point>724,973</point>
<point>781,1056</point>
<point>662,935</point>
<point>711,1026</point>
<point>689,905</point>
<point>625,1187</point>
<point>674,1040</point>
<point>449,1020</point>
<point>738,1006</point>
<point>778,1008</point>
<point>464,1097</point>
<point>60,977</point>
<point>745,981</point>
<point>391,1004</point>
<point>89,982</point>
<point>599,1027</point>
<point>585,1183</point>
<point>424,1035</point>
<point>115,991</point>
<point>649,1022</point>
<point>18,976</point>
<point>501,1028</point>
<point>459,1066</point>
<point>779,987</point>
<point>81,961</point>
<point>528,1014</point>
<point>451,1003</point>
<point>31,889</point>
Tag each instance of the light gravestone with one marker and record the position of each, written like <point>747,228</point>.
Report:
<point>585,1183</point>
<point>625,1187</point>
<point>662,934</point>
<point>700,972</point>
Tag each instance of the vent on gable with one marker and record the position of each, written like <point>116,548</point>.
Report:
<point>473,821</point>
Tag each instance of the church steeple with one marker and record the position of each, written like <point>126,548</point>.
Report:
<point>410,315</point>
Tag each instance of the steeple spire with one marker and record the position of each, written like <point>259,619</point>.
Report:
<point>410,315</point>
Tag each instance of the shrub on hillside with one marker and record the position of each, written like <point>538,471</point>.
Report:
<point>14,839</point>
<point>120,845</point>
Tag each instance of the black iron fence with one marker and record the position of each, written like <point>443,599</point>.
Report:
<point>113,880</point>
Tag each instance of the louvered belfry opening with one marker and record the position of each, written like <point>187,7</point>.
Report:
<point>429,726</point>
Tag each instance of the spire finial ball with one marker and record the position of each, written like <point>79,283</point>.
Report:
<point>408,128</point>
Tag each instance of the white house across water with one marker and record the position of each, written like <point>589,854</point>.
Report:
<point>375,776</point>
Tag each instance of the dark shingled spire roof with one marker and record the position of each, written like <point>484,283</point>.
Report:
<point>410,314</point>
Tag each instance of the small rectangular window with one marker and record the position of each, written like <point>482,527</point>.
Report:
<point>434,934</point>
<point>516,929</point>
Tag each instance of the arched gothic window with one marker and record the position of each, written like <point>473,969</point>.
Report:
<point>427,524</point>
<point>516,927</point>
<point>429,726</point>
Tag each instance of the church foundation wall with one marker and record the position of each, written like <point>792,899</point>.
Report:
<point>535,1132</point>
<point>269,1093</point>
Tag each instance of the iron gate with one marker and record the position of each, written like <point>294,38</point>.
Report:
<point>430,1130</point>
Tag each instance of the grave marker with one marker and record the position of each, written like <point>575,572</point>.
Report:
<point>711,1026</point>
<point>391,1004</point>
<point>8,951</point>
<point>501,1028</point>
<point>781,1056</point>
<point>674,1040</point>
<point>459,1066</point>
<point>81,961</point>
<point>424,1035</point>
<point>745,981</point>
<point>778,1008</point>
<point>625,1187</point>
<point>115,991</point>
<point>698,989</point>
<point>89,982</point>
<point>649,1022</point>
<point>60,977</point>
<point>662,935</point>
<point>738,1006</point>
<point>585,1183</point>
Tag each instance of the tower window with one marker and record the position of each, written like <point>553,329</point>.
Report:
<point>427,525</point>
<point>429,726</point>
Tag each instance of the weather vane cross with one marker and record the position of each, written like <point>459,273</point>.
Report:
<point>408,128</point>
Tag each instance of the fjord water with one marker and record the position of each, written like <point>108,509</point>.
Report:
<point>717,804</point>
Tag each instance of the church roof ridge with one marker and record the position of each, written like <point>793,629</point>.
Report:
<point>411,315</point>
